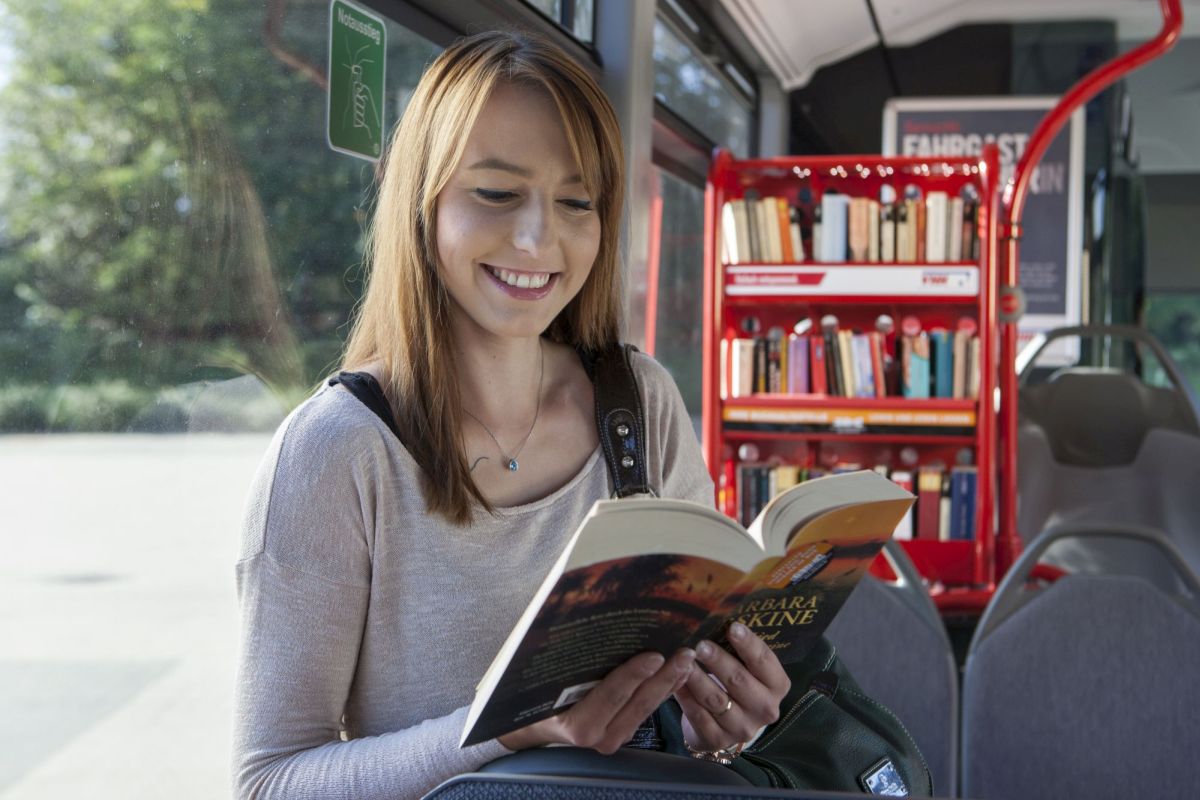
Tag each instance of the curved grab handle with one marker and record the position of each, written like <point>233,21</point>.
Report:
<point>912,586</point>
<point>1009,594</point>
<point>1132,332</point>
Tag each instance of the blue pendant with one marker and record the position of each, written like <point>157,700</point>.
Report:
<point>512,465</point>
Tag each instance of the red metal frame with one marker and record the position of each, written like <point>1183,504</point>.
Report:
<point>1013,208</point>
<point>965,572</point>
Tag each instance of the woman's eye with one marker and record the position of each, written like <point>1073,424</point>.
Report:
<point>578,205</point>
<point>495,196</point>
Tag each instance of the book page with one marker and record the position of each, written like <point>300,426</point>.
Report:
<point>787,512</point>
<point>618,528</point>
<point>790,600</point>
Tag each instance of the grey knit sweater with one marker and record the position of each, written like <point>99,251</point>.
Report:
<point>366,622</point>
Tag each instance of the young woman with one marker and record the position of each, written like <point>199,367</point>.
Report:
<point>381,573</point>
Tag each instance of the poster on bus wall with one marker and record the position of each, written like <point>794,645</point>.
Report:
<point>1051,251</point>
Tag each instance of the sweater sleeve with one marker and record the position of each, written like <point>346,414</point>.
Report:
<point>677,466</point>
<point>304,588</point>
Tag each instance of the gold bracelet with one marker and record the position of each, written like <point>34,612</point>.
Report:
<point>725,755</point>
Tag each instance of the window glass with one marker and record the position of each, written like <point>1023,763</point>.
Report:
<point>1174,319</point>
<point>179,253</point>
<point>582,15</point>
<point>686,83</point>
<point>679,300</point>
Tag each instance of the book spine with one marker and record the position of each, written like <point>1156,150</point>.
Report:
<point>916,365</point>
<point>797,364</point>
<point>785,230</point>
<point>818,372</point>
<point>904,479</point>
<point>943,363</point>
<point>929,496</point>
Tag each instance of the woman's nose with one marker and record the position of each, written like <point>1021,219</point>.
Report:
<point>535,227</point>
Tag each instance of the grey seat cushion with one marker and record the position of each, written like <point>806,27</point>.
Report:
<point>901,659</point>
<point>1089,690</point>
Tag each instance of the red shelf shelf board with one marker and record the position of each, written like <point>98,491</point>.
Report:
<point>919,438</point>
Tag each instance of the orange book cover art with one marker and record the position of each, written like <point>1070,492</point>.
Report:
<point>598,616</point>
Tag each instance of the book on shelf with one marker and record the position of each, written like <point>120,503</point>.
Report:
<point>929,499</point>
<point>853,362</point>
<point>653,574</point>
<point>963,487</point>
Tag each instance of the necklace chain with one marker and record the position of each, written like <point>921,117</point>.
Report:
<point>510,462</point>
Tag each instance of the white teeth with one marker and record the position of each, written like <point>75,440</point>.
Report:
<point>522,280</point>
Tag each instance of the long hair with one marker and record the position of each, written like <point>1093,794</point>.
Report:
<point>403,319</point>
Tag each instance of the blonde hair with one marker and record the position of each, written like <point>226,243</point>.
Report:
<point>403,318</point>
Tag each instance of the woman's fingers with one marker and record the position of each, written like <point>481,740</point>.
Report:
<point>609,714</point>
<point>738,695</point>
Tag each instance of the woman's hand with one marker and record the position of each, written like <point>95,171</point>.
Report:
<point>745,696</point>
<point>611,712</point>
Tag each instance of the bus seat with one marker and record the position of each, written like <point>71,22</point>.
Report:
<point>1096,444</point>
<point>1157,489</point>
<point>891,638</point>
<point>1084,688</point>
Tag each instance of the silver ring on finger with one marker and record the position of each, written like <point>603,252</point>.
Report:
<point>728,705</point>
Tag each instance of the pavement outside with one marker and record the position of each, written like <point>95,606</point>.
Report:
<point>118,612</point>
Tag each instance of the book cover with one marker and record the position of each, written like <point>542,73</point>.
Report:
<point>651,574</point>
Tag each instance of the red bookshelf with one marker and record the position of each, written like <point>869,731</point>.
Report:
<point>823,431</point>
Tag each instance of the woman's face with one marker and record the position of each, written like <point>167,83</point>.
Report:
<point>517,234</point>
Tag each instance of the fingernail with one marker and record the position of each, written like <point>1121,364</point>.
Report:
<point>684,660</point>
<point>737,630</point>
<point>653,663</point>
<point>704,649</point>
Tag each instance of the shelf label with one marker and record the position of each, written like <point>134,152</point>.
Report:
<point>919,280</point>
<point>850,419</point>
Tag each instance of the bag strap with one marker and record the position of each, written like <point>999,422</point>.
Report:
<point>368,391</point>
<point>619,420</point>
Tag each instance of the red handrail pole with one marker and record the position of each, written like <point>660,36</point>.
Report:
<point>1088,87</point>
<point>710,374</point>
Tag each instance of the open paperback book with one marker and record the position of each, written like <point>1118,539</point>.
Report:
<point>648,574</point>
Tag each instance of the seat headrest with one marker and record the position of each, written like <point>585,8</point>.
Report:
<point>1098,418</point>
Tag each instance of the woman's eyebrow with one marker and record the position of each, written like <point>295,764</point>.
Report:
<point>507,166</point>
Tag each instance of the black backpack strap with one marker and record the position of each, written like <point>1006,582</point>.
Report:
<point>364,386</point>
<point>619,420</point>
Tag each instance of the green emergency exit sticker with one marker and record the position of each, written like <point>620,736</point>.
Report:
<point>357,48</point>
